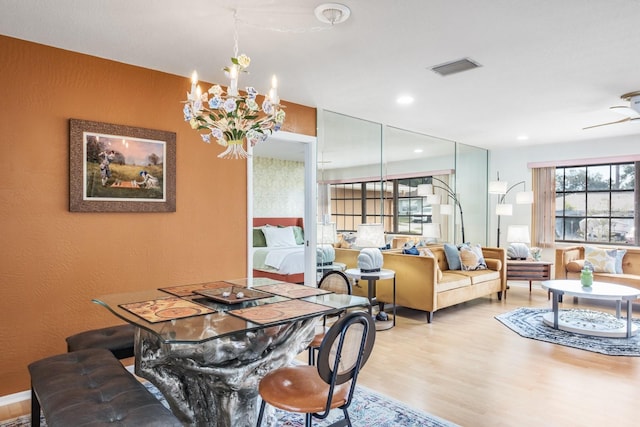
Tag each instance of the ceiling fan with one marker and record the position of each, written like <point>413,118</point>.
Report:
<point>632,111</point>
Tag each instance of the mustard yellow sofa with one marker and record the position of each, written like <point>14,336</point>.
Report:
<point>570,261</point>
<point>420,285</point>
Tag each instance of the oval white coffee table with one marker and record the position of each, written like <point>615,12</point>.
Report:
<point>591,322</point>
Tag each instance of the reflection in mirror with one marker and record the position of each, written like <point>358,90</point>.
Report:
<point>471,185</point>
<point>349,171</point>
<point>368,172</point>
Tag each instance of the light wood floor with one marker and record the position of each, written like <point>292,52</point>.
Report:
<point>470,369</point>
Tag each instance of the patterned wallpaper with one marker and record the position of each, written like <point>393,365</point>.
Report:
<point>278,188</point>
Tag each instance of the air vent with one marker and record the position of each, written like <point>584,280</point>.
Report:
<point>453,67</point>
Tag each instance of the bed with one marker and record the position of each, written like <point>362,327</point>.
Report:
<point>285,260</point>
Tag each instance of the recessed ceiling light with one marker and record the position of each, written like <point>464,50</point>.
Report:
<point>522,137</point>
<point>404,99</point>
<point>418,150</point>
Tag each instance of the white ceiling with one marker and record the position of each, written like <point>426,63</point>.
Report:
<point>549,67</point>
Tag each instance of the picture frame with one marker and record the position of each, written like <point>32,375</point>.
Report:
<point>118,168</point>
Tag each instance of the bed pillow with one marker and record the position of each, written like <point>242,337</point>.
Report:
<point>279,237</point>
<point>453,256</point>
<point>471,258</point>
<point>259,240</point>
<point>297,233</point>
<point>600,260</point>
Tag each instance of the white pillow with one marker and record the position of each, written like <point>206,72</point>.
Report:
<point>279,237</point>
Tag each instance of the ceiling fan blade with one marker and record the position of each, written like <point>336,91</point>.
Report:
<point>627,111</point>
<point>626,119</point>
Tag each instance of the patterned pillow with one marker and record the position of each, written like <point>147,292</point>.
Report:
<point>600,260</point>
<point>471,258</point>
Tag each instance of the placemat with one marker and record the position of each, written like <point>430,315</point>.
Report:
<point>278,311</point>
<point>188,290</point>
<point>292,290</point>
<point>163,309</point>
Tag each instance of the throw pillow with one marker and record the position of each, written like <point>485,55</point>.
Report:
<point>279,237</point>
<point>619,256</point>
<point>298,233</point>
<point>411,251</point>
<point>259,240</point>
<point>471,258</point>
<point>600,260</point>
<point>453,256</point>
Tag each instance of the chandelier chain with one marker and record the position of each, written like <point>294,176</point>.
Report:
<point>235,33</point>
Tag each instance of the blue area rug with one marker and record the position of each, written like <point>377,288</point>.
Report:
<point>367,409</point>
<point>527,322</point>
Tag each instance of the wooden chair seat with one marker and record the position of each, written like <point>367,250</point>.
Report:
<point>300,389</point>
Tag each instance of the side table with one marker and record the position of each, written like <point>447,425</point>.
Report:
<point>372,278</point>
<point>529,270</point>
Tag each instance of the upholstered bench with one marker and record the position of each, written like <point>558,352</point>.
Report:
<point>91,387</point>
<point>117,339</point>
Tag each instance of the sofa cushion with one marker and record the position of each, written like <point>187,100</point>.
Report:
<point>471,258</point>
<point>600,260</point>
<point>453,256</point>
<point>631,280</point>
<point>480,276</point>
<point>452,280</point>
<point>575,266</point>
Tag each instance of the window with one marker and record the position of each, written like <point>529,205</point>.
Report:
<point>396,202</point>
<point>595,203</point>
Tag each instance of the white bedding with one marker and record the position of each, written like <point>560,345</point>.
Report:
<point>283,260</point>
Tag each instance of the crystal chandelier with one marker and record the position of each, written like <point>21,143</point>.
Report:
<point>231,117</point>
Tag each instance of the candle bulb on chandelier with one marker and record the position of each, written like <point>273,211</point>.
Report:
<point>194,81</point>
<point>233,87</point>
<point>274,90</point>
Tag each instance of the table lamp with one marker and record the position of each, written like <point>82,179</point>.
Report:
<point>370,239</point>
<point>326,237</point>
<point>518,237</point>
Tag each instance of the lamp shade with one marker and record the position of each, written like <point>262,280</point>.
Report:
<point>432,199</point>
<point>524,197</point>
<point>518,234</point>
<point>424,190</point>
<point>446,209</point>
<point>498,187</point>
<point>326,233</point>
<point>370,236</point>
<point>504,209</point>
<point>431,230</point>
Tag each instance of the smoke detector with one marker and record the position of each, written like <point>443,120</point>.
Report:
<point>332,13</point>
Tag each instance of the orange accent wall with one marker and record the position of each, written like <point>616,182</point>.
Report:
<point>53,262</point>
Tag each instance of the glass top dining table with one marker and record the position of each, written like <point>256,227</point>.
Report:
<point>220,338</point>
<point>219,321</point>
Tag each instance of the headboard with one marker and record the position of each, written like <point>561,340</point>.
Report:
<point>259,222</point>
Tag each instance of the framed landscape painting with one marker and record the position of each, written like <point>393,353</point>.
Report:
<point>115,168</point>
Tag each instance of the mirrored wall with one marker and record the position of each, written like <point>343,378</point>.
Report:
<point>415,184</point>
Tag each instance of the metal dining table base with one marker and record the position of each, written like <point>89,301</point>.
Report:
<point>215,383</point>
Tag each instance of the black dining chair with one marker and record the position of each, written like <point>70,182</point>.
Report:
<point>336,282</point>
<point>315,390</point>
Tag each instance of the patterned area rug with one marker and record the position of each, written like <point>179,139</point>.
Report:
<point>527,322</point>
<point>367,409</point>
